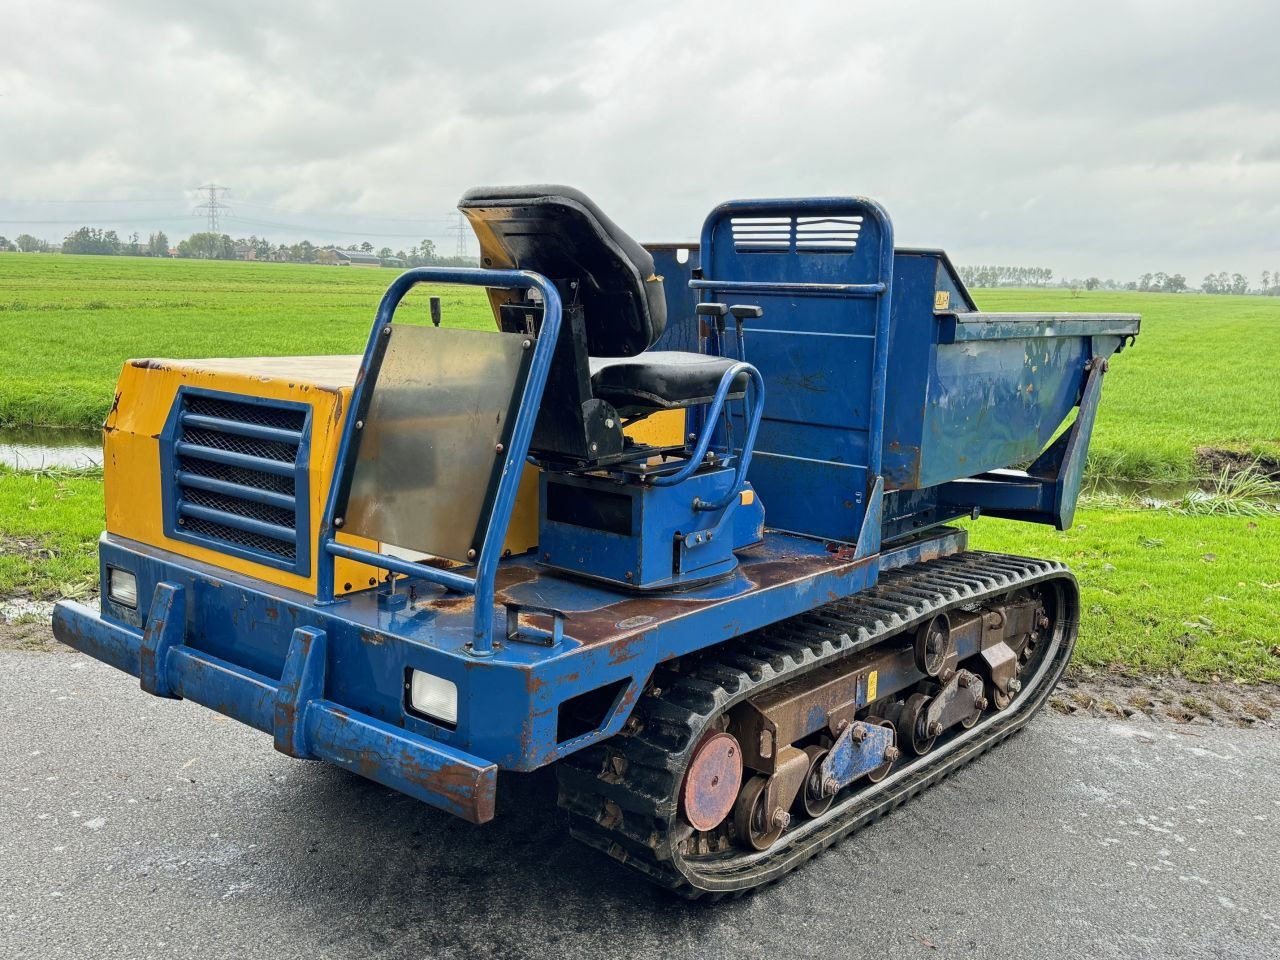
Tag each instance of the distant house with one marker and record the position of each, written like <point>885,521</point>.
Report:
<point>356,258</point>
<point>394,262</point>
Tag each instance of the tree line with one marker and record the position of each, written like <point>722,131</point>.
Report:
<point>1158,282</point>
<point>1006,276</point>
<point>220,246</point>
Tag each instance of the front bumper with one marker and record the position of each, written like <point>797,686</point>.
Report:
<point>292,709</point>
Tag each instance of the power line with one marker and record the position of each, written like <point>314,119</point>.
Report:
<point>353,215</point>
<point>212,206</point>
<point>460,231</point>
<point>252,221</point>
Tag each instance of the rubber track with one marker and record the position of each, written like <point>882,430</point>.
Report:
<point>621,794</point>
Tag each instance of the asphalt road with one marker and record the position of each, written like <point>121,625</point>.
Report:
<point>135,827</point>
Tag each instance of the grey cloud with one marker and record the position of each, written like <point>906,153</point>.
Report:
<point>1105,138</point>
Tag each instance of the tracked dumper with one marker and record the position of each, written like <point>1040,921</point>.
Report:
<point>680,523</point>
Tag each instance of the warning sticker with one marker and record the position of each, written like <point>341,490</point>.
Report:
<point>872,677</point>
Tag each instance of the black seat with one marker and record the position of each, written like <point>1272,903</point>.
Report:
<point>560,233</point>
<point>661,380</point>
<point>615,309</point>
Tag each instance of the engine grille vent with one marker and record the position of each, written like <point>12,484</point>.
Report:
<point>236,477</point>
<point>796,234</point>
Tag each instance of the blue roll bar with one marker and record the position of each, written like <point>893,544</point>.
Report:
<point>481,584</point>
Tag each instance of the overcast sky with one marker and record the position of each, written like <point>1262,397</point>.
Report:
<point>1106,138</point>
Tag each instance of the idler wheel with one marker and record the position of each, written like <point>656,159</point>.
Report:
<point>917,738</point>
<point>758,827</point>
<point>932,640</point>
<point>815,798</point>
<point>712,781</point>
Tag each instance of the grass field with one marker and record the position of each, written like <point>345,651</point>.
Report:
<point>1205,372</point>
<point>1163,591</point>
<point>70,322</point>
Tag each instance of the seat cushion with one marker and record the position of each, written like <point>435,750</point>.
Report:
<point>661,380</point>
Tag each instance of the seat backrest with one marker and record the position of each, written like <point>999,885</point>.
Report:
<point>560,233</point>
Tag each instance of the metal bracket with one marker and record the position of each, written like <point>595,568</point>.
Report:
<point>860,749</point>
<point>166,629</point>
<point>535,635</point>
<point>301,683</point>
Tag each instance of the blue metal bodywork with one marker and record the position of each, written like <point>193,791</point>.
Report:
<point>891,406</point>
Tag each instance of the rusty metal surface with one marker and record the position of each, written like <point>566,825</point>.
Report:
<point>625,618</point>
<point>712,782</point>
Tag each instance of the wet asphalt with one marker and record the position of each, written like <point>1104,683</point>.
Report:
<point>136,827</point>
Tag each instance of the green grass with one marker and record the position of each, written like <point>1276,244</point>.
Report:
<point>1164,592</point>
<point>1204,372</point>
<point>70,322</point>
<point>49,526</point>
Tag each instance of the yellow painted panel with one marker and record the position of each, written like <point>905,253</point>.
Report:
<point>662,429</point>
<point>131,462</point>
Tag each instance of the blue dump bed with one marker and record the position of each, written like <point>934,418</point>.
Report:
<point>969,392</point>
<point>877,362</point>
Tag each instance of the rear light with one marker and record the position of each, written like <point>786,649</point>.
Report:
<point>434,697</point>
<point>122,587</point>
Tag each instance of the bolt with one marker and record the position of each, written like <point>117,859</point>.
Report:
<point>527,344</point>
<point>859,734</point>
<point>386,331</point>
<point>1043,622</point>
<point>963,680</point>
<point>781,819</point>
<point>593,448</point>
<point>338,521</point>
<point>1014,685</point>
<point>892,753</point>
<point>608,423</point>
<point>981,703</point>
<point>359,424</point>
<point>499,448</point>
<point>630,576</point>
<point>829,787</point>
<point>471,554</point>
<point>935,728</point>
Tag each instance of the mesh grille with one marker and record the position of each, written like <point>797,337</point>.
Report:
<point>241,538</point>
<point>240,507</point>
<point>256,413</point>
<point>235,416</point>
<point>241,475</point>
<point>249,446</point>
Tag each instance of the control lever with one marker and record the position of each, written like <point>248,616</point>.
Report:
<point>742,312</point>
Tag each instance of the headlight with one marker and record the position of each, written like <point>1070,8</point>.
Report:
<point>434,696</point>
<point>122,587</point>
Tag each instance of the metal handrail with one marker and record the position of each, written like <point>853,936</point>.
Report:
<point>708,429</point>
<point>481,584</point>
